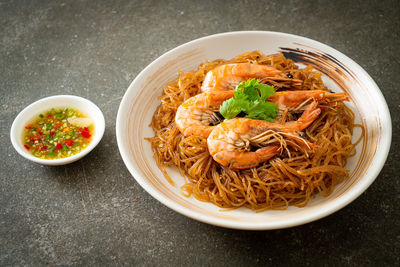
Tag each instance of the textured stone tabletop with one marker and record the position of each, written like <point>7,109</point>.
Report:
<point>93,212</point>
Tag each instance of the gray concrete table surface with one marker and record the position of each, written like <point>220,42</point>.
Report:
<point>93,212</point>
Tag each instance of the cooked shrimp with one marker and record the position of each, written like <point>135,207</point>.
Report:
<point>231,142</point>
<point>290,102</point>
<point>226,77</point>
<point>199,114</point>
<point>298,100</point>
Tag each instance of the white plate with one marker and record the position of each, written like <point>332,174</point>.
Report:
<point>341,74</point>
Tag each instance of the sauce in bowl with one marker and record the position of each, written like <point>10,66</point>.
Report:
<point>58,133</point>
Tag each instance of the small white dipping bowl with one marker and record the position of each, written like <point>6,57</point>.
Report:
<point>59,101</point>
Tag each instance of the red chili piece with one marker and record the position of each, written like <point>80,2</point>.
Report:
<point>27,147</point>
<point>58,146</point>
<point>44,147</point>
<point>85,132</point>
<point>70,143</point>
<point>52,133</point>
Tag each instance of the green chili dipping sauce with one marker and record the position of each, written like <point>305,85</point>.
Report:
<point>58,133</point>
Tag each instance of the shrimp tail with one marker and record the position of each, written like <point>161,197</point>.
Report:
<point>338,97</point>
<point>309,116</point>
<point>239,160</point>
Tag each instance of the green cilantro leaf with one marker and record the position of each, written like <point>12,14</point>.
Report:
<point>265,91</point>
<point>261,110</point>
<point>249,89</point>
<point>232,107</point>
<point>250,97</point>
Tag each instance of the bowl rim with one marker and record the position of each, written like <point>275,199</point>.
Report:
<point>379,158</point>
<point>22,116</point>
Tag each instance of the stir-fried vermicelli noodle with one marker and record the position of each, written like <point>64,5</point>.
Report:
<point>289,178</point>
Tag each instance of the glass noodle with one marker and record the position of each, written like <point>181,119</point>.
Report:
<point>282,181</point>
